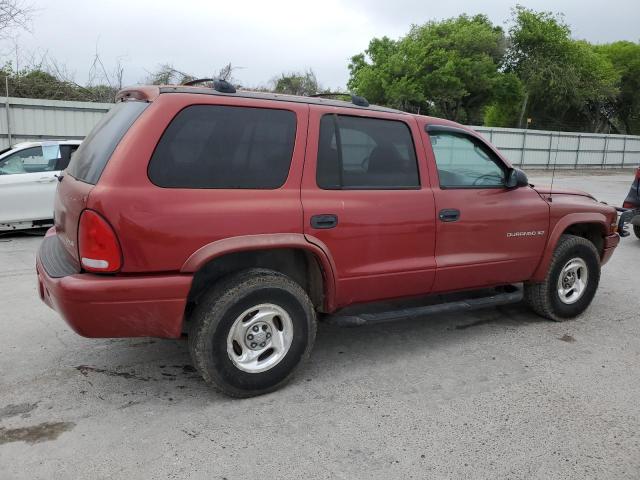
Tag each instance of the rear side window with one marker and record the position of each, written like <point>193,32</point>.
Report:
<point>216,146</point>
<point>88,162</point>
<point>365,153</point>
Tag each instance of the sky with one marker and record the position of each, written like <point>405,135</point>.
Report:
<point>263,38</point>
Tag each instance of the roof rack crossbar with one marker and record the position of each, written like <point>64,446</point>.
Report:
<point>219,84</point>
<point>355,99</point>
<point>197,81</point>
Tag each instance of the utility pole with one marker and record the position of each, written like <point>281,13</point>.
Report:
<point>524,109</point>
<point>6,107</point>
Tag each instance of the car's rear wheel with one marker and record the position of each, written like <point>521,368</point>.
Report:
<point>251,331</point>
<point>571,282</point>
<point>636,230</point>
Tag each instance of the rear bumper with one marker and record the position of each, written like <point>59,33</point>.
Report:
<point>610,244</point>
<point>117,306</point>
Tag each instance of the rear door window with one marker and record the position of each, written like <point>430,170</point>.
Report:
<point>217,146</point>
<point>88,162</point>
<point>365,153</point>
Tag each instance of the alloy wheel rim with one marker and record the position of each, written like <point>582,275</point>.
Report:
<point>572,282</point>
<point>260,338</point>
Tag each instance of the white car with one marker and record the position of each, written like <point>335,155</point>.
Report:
<point>28,181</point>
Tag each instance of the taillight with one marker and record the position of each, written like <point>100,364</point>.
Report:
<point>627,205</point>
<point>638,174</point>
<point>97,244</point>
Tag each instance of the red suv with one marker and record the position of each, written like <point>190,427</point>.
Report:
<point>237,217</point>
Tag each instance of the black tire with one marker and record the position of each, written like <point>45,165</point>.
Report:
<point>543,297</point>
<point>216,313</point>
<point>636,230</point>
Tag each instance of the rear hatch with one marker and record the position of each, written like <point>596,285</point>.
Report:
<point>85,169</point>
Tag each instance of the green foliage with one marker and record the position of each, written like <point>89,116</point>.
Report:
<point>569,85</point>
<point>625,59</point>
<point>37,83</point>
<point>447,68</point>
<point>506,107</point>
<point>296,83</point>
<point>466,69</point>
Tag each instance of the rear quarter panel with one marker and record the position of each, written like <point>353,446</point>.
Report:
<point>160,228</point>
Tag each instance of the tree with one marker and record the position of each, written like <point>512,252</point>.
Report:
<point>625,58</point>
<point>167,74</point>
<point>296,83</point>
<point>14,14</point>
<point>44,77</point>
<point>505,109</point>
<point>567,85</point>
<point>447,68</point>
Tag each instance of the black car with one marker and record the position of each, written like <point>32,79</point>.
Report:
<point>633,201</point>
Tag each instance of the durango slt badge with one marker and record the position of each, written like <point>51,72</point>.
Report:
<point>533,233</point>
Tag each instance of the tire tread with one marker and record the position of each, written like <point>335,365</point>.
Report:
<point>536,295</point>
<point>218,299</point>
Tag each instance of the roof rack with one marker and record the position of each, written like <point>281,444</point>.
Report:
<point>355,99</point>
<point>219,85</point>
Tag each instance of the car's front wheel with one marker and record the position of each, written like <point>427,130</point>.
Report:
<point>251,331</point>
<point>571,282</point>
<point>636,230</point>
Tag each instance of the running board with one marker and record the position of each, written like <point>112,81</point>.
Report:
<point>360,319</point>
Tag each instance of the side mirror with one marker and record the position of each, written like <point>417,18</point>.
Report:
<point>516,178</point>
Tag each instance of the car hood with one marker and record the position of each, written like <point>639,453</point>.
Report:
<point>547,190</point>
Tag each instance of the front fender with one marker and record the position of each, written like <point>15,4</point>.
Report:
<point>554,237</point>
<point>243,243</point>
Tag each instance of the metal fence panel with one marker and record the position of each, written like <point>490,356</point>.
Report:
<point>544,149</point>
<point>31,119</point>
<point>35,119</point>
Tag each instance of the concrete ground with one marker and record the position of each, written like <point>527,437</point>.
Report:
<point>493,394</point>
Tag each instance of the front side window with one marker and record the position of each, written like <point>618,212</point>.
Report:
<point>216,146</point>
<point>465,162</point>
<point>29,160</point>
<point>365,153</point>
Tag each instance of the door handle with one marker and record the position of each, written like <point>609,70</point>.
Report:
<point>46,179</point>
<point>449,215</point>
<point>324,221</point>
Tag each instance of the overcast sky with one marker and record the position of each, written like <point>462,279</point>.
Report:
<point>267,37</point>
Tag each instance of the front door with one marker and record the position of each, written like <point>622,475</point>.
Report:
<point>367,202</point>
<point>487,234</point>
<point>28,184</point>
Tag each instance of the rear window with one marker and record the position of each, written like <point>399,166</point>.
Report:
<point>88,162</point>
<point>216,146</point>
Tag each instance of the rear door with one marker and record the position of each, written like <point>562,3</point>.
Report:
<point>487,234</point>
<point>367,202</point>
<point>28,184</point>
